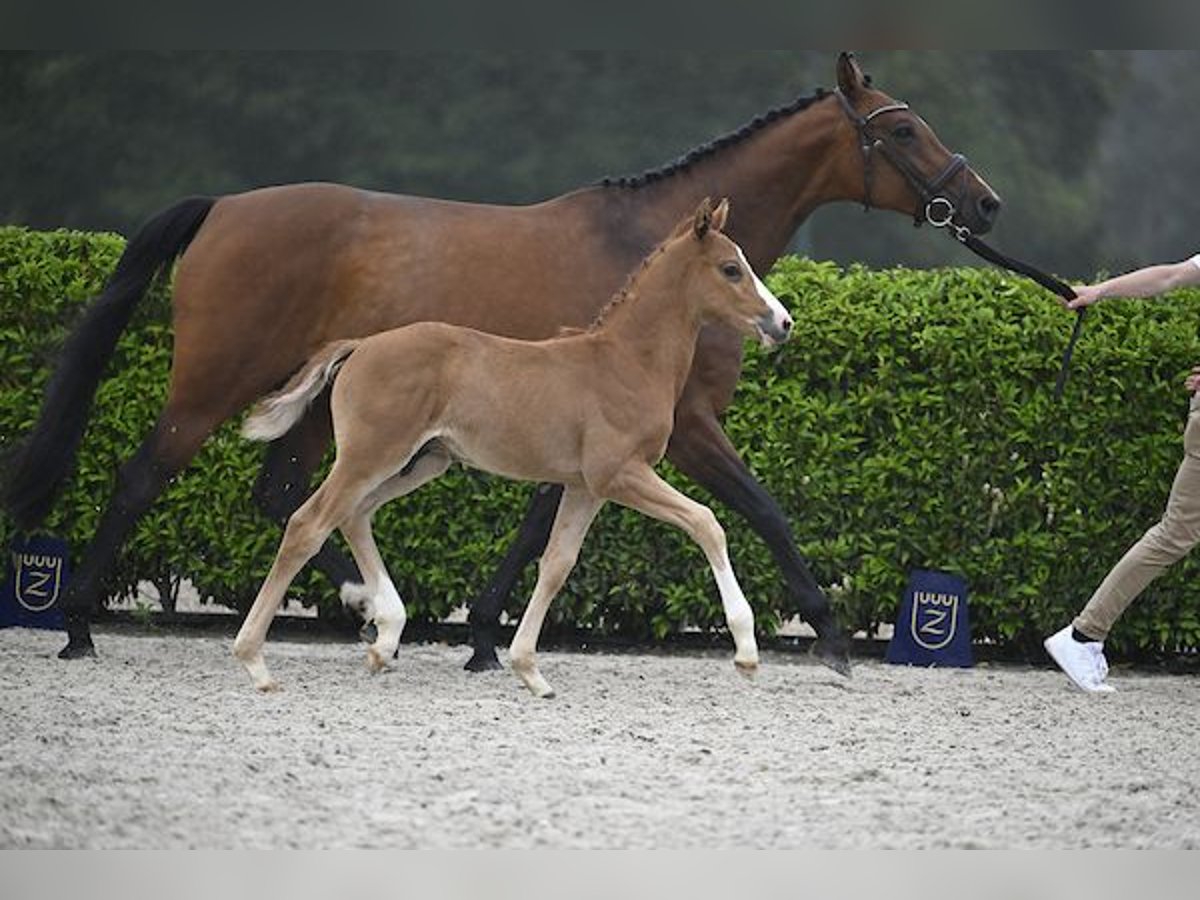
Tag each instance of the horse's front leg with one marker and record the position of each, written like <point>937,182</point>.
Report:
<point>529,544</point>
<point>575,514</point>
<point>701,449</point>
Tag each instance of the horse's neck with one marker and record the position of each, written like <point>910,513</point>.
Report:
<point>774,178</point>
<point>655,326</point>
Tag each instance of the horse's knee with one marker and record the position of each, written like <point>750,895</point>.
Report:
<point>709,532</point>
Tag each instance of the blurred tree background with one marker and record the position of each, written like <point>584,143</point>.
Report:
<point>1090,149</point>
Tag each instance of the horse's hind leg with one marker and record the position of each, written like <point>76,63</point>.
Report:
<point>575,514</point>
<point>377,599</point>
<point>166,450</point>
<point>307,529</point>
<point>530,541</point>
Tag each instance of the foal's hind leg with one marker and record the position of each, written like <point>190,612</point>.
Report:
<point>642,489</point>
<point>575,514</point>
<point>306,531</point>
<point>377,599</point>
<point>283,485</point>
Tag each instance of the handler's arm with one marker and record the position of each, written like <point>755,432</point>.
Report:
<point>1146,282</point>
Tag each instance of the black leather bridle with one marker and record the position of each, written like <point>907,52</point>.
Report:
<point>938,209</point>
<point>935,207</point>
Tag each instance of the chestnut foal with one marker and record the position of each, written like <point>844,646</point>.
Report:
<point>590,410</point>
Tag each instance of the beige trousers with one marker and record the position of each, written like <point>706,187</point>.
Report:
<point>1165,543</point>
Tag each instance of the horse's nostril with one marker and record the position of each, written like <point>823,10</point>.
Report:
<point>787,325</point>
<point>989,206</point>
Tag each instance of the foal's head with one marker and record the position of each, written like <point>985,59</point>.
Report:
<point>722,284</point>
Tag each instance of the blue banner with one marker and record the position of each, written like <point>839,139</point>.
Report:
<point>38,570</point>
<point>933,627</point>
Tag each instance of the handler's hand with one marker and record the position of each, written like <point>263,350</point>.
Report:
<point>1192,382</point>
<point>1085,295</point>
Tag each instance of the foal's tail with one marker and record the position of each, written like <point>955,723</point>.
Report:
<point>274,415</point>
<point>38,467</point>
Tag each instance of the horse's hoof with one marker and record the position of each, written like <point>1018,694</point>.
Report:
<point>834,653</point>
<point>747,669</point>
<point>368,634</point>
<point>269,687</point>
<point>376,662</point>
<point>483,661</point>
<point>77,650</point>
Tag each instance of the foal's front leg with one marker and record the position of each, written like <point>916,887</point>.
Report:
<point>575,514</point>
<point>642,489</point>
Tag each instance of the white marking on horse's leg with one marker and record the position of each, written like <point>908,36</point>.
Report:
<point>383,601</point>
<point>576,511</point>
<point>642,489</point>
<point>306,531</point>
<point>738,615</point>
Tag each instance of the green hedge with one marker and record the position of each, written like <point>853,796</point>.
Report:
<point>909,423</point>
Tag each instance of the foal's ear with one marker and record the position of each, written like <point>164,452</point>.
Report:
<point>850,77</point>
<point>702,221</point>
<point>720,214</point>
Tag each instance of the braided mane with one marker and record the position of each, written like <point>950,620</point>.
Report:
<point>687,160</point>
<point>627,289</point>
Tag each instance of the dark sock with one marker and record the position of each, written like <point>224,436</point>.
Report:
<point>1081,637</point>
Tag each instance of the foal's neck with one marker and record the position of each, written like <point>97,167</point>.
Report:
<point>654,325</point>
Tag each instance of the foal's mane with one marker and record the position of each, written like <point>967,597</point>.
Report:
<point>705,150</point>
<point>627,289</point>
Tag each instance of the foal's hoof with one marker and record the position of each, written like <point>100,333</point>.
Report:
<point>76,649</point>
<point>746,669</point>
<point>483,661</point>
<point>269,687</point>
<point>368,634</point>
<point>833,652</point>
<point>376,661</point>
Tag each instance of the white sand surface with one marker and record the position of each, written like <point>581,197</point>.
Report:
<point>162,742</point>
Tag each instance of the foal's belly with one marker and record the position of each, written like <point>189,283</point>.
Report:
<point>519,457</point>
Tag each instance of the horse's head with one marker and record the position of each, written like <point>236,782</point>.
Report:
<point>904,166</point>
<point>722,283</point>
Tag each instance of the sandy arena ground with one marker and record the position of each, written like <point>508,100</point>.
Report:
<point>162,742</point>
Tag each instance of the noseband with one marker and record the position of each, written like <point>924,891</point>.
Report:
<point>935,207</point>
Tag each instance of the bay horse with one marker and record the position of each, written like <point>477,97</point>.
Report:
<point>591,411</point>
<point>266,278</point>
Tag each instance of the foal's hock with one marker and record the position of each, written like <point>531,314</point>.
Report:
<point>592,411</point>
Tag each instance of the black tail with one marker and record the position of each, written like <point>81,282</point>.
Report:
<point>42,462</point>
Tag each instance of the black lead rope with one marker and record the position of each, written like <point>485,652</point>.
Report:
<point>1049,282</point>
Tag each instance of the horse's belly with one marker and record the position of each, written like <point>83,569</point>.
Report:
<point>520,457</point>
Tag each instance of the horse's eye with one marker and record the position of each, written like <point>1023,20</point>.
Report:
<point>904,133</point>
<point>732,271</point>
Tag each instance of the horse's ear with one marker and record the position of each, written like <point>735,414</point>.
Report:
<point>702,221</point>
<point>720,214</point>
<point>850,77</point>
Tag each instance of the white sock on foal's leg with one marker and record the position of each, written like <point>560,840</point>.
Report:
<point>738,615</point>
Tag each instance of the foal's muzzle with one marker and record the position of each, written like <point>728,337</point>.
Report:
<point>773,329</point>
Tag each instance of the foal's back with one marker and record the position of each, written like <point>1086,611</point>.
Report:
<point>521,409</point>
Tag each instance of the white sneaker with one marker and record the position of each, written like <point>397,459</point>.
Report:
<point>1084,663</point>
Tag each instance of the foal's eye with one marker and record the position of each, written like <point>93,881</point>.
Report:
<point>732,271</point>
